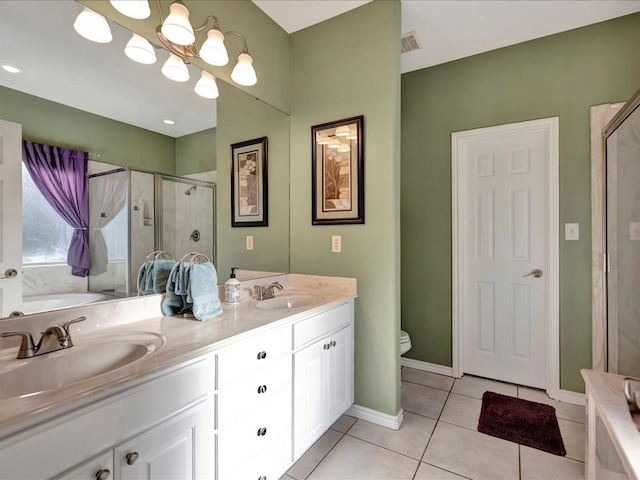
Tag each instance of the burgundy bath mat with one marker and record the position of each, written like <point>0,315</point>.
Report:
<point>521,421</point>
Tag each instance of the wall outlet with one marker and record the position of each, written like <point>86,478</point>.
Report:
<point>249,242</point>
<point>634,231</point>
<point>336,244</point>
<point>572,231</point>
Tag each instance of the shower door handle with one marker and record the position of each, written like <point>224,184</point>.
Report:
<point>536,273</point>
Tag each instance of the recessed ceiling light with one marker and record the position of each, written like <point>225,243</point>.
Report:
<point>11,68</point>
<point>169,122</point>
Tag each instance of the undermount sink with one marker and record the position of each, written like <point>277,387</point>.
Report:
<point>88,359</point>
<point>287,301</point>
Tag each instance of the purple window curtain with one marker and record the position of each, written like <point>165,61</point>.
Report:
<point>61,176</point>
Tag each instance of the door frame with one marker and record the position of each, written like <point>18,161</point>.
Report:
<point>550,126</point>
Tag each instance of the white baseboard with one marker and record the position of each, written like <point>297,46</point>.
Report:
<point>374,416</point>
<point>575,398</point>
<point>426,366</point>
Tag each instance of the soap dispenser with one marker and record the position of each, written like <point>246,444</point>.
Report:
<point>232,288</point>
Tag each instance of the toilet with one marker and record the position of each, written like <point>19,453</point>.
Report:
<point>405,342</point>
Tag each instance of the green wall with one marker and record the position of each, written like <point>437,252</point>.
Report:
<point>560,75</point>
<point>196,152</point>
<point>242,117</point>
<point>106,140</point>
<point>343,67</point>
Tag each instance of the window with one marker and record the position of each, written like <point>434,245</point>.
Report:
<point>45,235</point>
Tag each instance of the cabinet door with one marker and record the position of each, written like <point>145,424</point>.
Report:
<point>100,467</point>
<point>178,448</point>
<point>339,377</point>
<point>309,418</point>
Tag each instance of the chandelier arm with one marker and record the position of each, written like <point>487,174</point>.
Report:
<point>160,12</point>
<point>244,40</point>
<point>216,25</point>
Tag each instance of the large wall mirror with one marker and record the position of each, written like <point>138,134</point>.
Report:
<point>80,95</point>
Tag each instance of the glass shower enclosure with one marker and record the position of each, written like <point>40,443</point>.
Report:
<point>622,144</point>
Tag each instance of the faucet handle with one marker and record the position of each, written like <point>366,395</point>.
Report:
<point>27,347</point>
<point>70,322</point>
<point>260,289</point>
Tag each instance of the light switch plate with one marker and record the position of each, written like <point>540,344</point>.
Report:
<point>336,243</point>
<point>634,231</point>
<point>572,231</point>
<point>249,242</point>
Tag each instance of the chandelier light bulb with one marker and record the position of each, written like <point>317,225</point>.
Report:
<point>213,50</point>
<point>92,26</point>
<point>140,50</point>
<point>206,86</point>
<point>243,73</point>
<point>176,26</point>
<point>344,147</point>
<point>175,69</point>
<point>138,9</point>
<point>334,143</point>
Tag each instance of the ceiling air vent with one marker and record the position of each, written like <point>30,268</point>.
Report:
<point>409,42</point>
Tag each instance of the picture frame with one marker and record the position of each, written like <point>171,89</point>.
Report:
<point>249,199</point>
<point>337,172</point>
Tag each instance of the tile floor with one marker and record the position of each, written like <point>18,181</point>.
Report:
<point>439,440</point>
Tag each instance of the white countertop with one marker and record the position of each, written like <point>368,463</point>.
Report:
<point>606,390</point>
<point>186,339</point>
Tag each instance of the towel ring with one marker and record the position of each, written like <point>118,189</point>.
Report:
<point>195,257</point>
<point>158,255</point>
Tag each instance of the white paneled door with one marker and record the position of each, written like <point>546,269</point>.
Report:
<point>503,236</point>
<point>11,220</point>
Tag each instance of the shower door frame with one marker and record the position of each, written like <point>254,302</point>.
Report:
<point>605,119</point>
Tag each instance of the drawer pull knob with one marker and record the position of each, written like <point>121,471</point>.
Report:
<point>262,432</point>
<point>262,389</point>
<point>333,343</point>
<point>262,355</point>
<point>103,474</point>
<point>131,458</point>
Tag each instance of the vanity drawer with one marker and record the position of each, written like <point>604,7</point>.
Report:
<point>252,393</point>
<point>244,357</point>
<point>320,325</point>
<point>250,437</point>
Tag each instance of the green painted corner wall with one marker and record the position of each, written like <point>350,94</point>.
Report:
<point>561,75</point>
<point>242,117</point>
<point>343,67</point>
<point>106,140</point>
<point>196,152</point>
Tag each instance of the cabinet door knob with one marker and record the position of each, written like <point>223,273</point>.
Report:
<point>262,389</point>
<point>262,477</point>
<point>262,355</point>
<point>333,343</point>
<point>131,458</point>
<point>262,432</point>
<point>326,346</point>
<point>103,474</point>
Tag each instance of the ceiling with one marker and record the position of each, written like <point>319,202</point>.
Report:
<point>100,79</point>
<point>453,29</point>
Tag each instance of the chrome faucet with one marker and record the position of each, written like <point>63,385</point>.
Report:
<point>264,292</point>
<point>53,338</point>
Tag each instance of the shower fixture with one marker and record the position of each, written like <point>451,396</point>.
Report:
<point>188,192</point>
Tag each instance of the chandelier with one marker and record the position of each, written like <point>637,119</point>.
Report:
<point>177,35</point>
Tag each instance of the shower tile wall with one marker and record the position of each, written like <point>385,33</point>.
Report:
<point>141,208</point>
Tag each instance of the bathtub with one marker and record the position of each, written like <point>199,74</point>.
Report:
<point>54,301</point>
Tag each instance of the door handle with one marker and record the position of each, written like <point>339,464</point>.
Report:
<point>10,273</point>
<point>536,272</point>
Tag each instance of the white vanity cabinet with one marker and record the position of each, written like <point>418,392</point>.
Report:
<point>253,407</point>
<point>323,374</point>
<point>165,422</point>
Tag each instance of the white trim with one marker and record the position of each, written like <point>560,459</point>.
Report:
<point>383,419</point>
<point>426,366</point>
<point>552,340</point>
<point>575,398</point>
